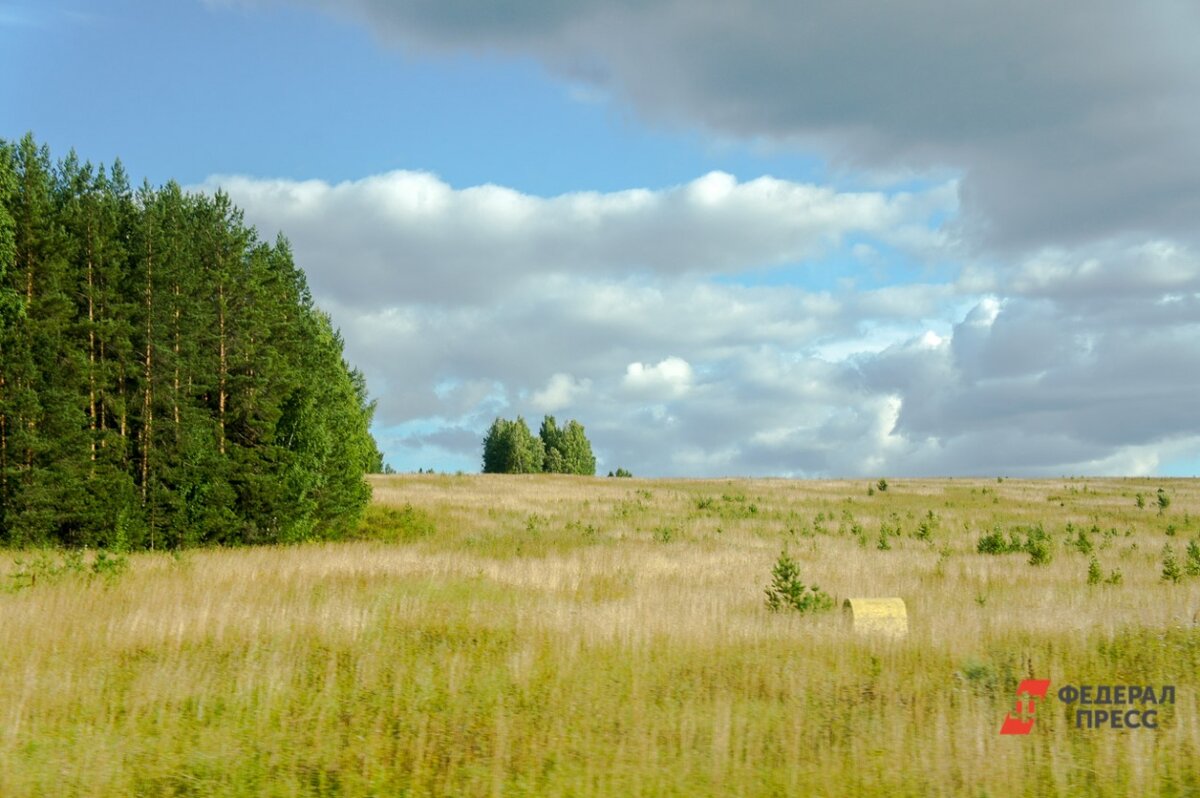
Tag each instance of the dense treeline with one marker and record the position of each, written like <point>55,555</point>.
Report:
<point>165,378</point>
<point>510,448</point>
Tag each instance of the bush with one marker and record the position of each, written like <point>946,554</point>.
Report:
<point>1037,546</point>
<point>1081,542</point>
<point>786,589</point>
<point>1192,564</point>
<point>995,543</point>
<point>1170,568</point>
<point>405,524</point>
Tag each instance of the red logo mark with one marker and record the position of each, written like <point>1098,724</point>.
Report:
<point>1021,720</point>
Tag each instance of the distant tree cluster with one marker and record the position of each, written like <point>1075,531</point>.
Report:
<point>510,448</point>
<point>165,378</point>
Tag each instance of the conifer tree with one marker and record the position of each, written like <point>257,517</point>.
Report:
<point>165,379</point>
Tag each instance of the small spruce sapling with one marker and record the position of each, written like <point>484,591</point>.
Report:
<point>786,590</point>
<point>1192,563</point>
<point>1170,566</point>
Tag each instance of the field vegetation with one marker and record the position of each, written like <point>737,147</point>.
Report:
<point>562,636</point>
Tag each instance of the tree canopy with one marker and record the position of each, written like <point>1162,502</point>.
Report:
<point>165,377</point>
<point>510,448</point>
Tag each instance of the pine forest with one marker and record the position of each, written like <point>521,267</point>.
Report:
<point>165,377</point>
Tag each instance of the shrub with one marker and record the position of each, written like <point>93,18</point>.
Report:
<point>882,485</point>
<point>1192,563</point>
<point>1081,542</point>
<point>1094,575</point>
<point>1170,566</point>
<point>995,543</point>
<point>883,544</point>
<point>1037,545</point>
<point>786,589</point>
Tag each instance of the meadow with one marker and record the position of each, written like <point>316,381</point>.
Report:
<point>565,636</point>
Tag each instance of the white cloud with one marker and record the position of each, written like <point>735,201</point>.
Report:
<point>464,304</point>
<point>560,392</point>
<point>415,238</point>
<point>1055,145</point>
<point>668,379</point>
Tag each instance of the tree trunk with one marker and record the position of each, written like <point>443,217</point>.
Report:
<point>148,393</point>
<point>223,367</point>
<point>91,349</point>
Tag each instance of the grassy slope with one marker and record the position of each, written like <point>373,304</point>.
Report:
<point>562,636</point>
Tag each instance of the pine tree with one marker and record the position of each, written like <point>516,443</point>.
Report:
<point>165,378</point>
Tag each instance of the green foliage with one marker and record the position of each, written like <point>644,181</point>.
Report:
<point>1191,564</point>
<point>166,380</point>
<point>1037,543</point>
<point>1170,565</point>
<point>568,451</point>
<point>1094,575</point>
<point>665,533</point>
<point>109,565</point>
<point>49,567</point>
<point>1081,542</point>
<point>405,524</point>
<point>622,473</point>
<point>1037,546</point>
<point>882,485</point>
<point>788,591</point>
<point>926,527</point>
<point>510,448</point>
<point>996,543</point>
<point>1140,500</point>
<point>883,544</point>
<point>1164,501</point>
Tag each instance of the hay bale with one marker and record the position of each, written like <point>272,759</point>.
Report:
<point>884,616</point>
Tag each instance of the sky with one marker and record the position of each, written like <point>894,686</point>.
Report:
<point>765,238</point>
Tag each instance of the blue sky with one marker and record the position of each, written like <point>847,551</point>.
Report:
<point>935,240</point>
<point>184,90</point>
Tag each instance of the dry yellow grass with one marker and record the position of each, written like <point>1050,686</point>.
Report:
<point>565,636</point>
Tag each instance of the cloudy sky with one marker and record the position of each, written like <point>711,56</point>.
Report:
<point>802,238</point>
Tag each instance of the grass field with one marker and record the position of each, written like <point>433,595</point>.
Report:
<point>558,636</point>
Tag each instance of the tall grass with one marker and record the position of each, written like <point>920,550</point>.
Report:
<point>542,636</point>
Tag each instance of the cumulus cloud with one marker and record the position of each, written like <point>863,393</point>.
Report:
<point>668,379</point>
<point>560,392</point>
<point>415,237</point>
<point>465,304</point>
<point>1069,120</point>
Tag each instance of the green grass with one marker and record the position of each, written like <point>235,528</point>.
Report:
<point>556,636</point>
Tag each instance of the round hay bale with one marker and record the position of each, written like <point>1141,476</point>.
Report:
<point>886,616</point>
